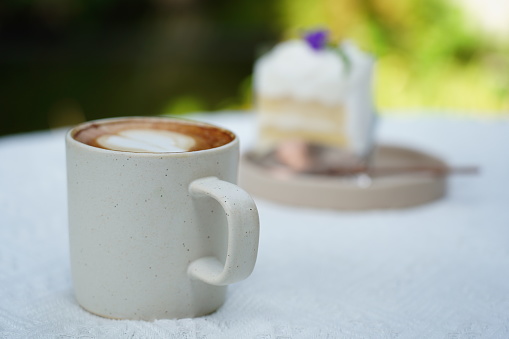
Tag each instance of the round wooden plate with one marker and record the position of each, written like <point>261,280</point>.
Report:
<point>356,192</point>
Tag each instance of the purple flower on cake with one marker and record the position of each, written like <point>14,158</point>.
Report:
<point>317,40</point>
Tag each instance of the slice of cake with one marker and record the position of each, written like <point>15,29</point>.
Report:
<point>317,94</point>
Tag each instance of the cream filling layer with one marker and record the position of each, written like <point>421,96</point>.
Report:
<point>290,121</point>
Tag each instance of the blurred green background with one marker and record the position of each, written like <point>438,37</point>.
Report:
<point>63,62</point>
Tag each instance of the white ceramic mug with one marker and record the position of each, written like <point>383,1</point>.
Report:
<point>157,235</point>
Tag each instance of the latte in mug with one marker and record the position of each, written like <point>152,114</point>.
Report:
<point>151,135</point>
<point>157,226</point>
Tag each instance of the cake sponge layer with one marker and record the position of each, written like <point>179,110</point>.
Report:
<point>283,119</point>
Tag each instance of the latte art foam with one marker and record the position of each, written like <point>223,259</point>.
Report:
<point>146,140</point>
<point>152,135</point>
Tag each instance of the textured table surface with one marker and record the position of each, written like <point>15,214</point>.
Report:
<point>436,271</point>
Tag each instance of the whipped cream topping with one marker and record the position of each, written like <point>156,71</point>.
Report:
<point>294,70</point>
<point>146,140</point>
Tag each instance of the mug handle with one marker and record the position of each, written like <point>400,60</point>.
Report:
<point>243,233</point>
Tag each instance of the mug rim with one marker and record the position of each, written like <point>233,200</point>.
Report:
<point>72,131</point>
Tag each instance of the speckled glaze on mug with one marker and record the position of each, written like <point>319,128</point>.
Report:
<point>157,235</point>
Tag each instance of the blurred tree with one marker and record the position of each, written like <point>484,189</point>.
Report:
<point>65,61</point>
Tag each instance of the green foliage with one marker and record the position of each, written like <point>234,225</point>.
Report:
<point>429,53</point>
<point>184,104</point>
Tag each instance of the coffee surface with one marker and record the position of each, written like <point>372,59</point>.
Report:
<point>152,136</point>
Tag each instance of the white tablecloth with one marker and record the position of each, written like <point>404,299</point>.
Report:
<point>434,271</point>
